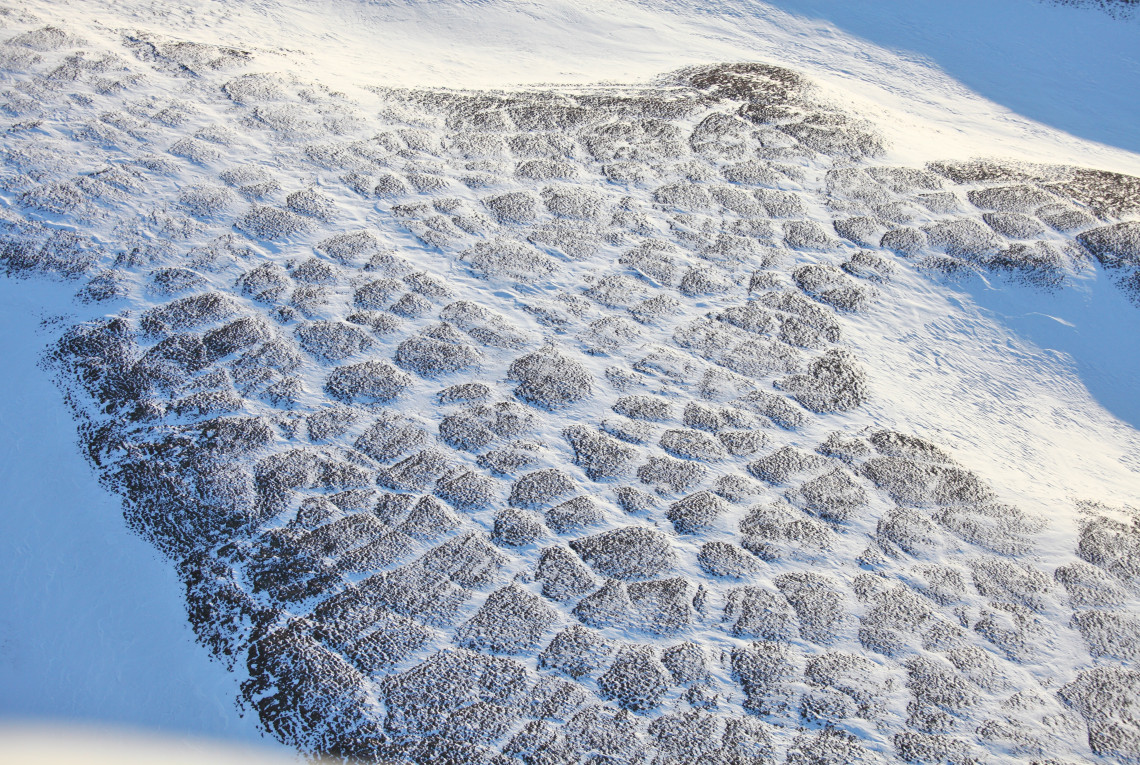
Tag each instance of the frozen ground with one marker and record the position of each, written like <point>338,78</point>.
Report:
<point>648,414</point>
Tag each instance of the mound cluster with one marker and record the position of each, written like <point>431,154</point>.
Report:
<point>515,426</point>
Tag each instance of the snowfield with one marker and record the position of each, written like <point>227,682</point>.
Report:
<point>707,385</point>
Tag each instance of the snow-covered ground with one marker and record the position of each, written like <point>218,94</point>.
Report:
<point>1018,78</point>
<point>93,631</point>
<point>1030,389</point>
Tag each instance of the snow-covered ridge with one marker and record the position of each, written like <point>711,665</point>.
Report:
<point>545,424</point>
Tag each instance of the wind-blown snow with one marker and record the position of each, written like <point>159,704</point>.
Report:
<point>412,273</point>
<point>1017,79</point>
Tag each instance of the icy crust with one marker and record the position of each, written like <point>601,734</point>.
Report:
<point>510,426</point>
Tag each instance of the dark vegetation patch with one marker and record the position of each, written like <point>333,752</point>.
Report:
<point>655,260</point>
<point>574,514</point>
<point>670,476</point>
<point>577,651</point>
<point>863,230</point>
<point>1107,193</point>
<point>1014,225</point>
<point>1108,634</point>
<point>1010,199</point>
<point>785,463</point>
<point>832,286</point>
<point>700,282</point>
<point>549,379</point>
<point>1088,585</point>
<point>774,532</point>
<point>633,552</point>
<point>272,223</point>
<point>265,283</point>
<point>207,201</point>
<point>981,171</point>
<point>1106,697</point>
<point>853,676</point>
<point>834,496</point>
<point>633,500</point>
<point>104,286</point>
<point>483,325</point>
<point>188,313</point>
<point>333,340</point>
<point>366,382</point>
<point>331,422</point>
<point>312,203</point>
<point>1117,247</point>
<point>476,427</point>
<point>541,488</point>
<point>636,680</point>
<point>36,250</point>
<point>659,607</point>
<point>819,603</point>
<point>563,575</point>
<point>510,261</point>
<point>963,238</point>
<point>776,408</point>
<point>765,671</point>
<point>466,490</point>
<point>376,295</point>
<point>618,291</point>
<point>411,306</point>
<point>869,266</point>
<point>913,482</point>
<point>756,612</point>
<point>696,512</point>
<point>736,488</point>
<point>437,351</point>
<point>830,745</point>
<point>511,621</point>
<point>351,247</point>
<point>1112,545</point>
<point>903,530</point>
<point>454,695</point>
<point>692,445</point>
<point>843,447</point>
<point>391,436</point>
<point>910,242</point>
<point>464,393</point>
<point>511,458</point>
<point>171,281</point>
<point>891,622</point>
<point>724,559</point>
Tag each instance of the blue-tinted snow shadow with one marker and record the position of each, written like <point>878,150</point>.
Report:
<point>1073,68</point>
<point>1092,324</point>
<point>93,630</point>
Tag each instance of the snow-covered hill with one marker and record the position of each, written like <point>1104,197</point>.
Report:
<point>710,402</point>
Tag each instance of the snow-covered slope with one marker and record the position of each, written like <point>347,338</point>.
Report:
<point>93,627</point>
<point>709,414</point>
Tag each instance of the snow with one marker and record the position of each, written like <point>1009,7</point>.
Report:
<point>1020,79</point>
<point>1032,390</point>
<point>61,744</point>
<point>93,629</point>
<point>1044,407</point>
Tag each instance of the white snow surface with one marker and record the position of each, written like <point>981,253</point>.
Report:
<point>93,633</point>
<point>924,112</point>
<point>1018,79</point>
<point>1035,391</point>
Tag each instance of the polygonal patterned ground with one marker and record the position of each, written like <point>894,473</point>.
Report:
<point>508,426</point>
